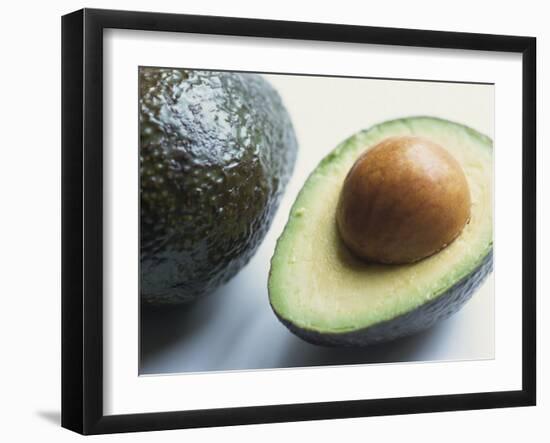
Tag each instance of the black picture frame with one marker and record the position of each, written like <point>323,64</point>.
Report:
<point>82,216</point>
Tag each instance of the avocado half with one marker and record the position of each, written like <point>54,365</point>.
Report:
<point>326,296</point>
<point>216,152</point>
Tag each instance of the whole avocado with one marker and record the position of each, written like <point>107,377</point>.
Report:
<point>216,152</point>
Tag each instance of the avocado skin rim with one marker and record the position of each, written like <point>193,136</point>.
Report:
<point>412,322</point>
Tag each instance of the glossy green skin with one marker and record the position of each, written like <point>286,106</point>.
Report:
<point>216,151</point>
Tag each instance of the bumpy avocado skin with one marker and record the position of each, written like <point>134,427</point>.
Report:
<point>216,152</point>
<point>419,319</point>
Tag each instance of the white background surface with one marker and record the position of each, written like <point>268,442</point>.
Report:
<point>30,187</point>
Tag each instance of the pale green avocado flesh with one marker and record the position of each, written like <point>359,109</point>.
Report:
<point>326,296</point>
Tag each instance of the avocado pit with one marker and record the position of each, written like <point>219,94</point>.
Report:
<point>403,200</point>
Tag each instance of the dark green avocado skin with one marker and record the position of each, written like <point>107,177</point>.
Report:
<point>423,317</point>
<point>216,152</point>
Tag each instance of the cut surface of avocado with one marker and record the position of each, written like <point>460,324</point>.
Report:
<point>318,289</point>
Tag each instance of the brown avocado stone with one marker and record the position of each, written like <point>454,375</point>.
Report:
<point>403,200</point>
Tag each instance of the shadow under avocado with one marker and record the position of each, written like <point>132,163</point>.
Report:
<point>300,353</point>
<point>163,326</point>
